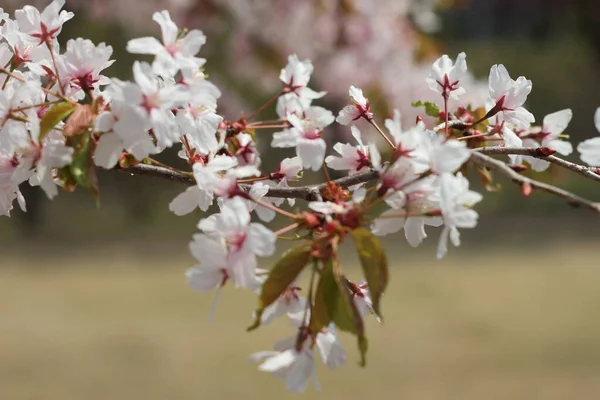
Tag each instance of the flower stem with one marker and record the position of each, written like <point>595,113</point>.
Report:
<point>261,108</point>
<point>387,139</point>
<point>286,229</point>
<point>274,208</point>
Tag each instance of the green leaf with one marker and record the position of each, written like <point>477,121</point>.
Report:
<point>319,314</point>
<point>431,109</point>
<point>82,168</point>
<point>374,264</point>
<point>283,273</point>
<point>53,116</point>
<point>81,163</point>
<point>341,308</point>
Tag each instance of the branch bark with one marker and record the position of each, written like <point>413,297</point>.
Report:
<point>307,192</point>
<point>588,172</point>
<point>572,199</point>
<point>479,156</point>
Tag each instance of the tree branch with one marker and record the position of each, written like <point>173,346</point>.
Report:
<point>572,199</point>
<point>308,192</point>
<point>478,156</point>
<point>588,172</point>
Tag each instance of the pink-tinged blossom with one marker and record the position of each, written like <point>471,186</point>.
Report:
<point>200,126</point>
<point>456,201</point>
<point>216,266</point>
<point>245,240</point>
<point>157,99</point>
<point>362,300</point>
<point>246,153</point>
<point>81,64</point>
<point>9,187</point>
<point>16,94</point>
<point>294,367</point>
<point>590,149</point>
<point>361,108</point>
<point>124,128</point>
<point>258,191</point>
<point>330,208</point>
<point>289,302</point>
<point>445,76</point>
<point>430,151</point>
<point>549,135</point>
<point>296,76</point>
<point>38,159</point>
<point>410,203</point>
<point>552,127</point>
<point>24,50</point>
<point>305,136</point>
<point>212,256</point>
<point>511,139</point>
<point>201,194</point>
<point>174,53</point>
<point>203,94</point>
<point>288,170</point>
<point>43,27</point>
<point>352,158</point>
<point>294,364</point>
<point>508,97</point>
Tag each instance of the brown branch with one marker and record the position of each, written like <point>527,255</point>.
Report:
<point>588,172</point>
<point>486,161</point>
<point>308,192</point>
<point>478,156</point>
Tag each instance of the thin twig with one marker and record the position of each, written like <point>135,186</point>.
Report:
<point>486,161</point>
<point>588,172</point>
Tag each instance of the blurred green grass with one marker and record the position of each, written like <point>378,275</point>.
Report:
<point>503,325</point>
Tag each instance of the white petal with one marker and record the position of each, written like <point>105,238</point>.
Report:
<point>108,150</point>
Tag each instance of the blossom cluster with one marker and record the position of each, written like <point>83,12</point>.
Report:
<point>61,118</point>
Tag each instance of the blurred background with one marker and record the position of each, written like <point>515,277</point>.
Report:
<point>93,300</point>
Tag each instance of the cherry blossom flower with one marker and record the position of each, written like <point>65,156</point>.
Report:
<point>288,170</point>
<point>305,135</point>
<point>361,108</point>
<point>295,364</point>
<point>200,126</point>
<point>445,76</point>
<point>245,240</point>
<point>215,267</point>
<point>125,128</point>
<point>24,50</point>
<point>549,136</point>
<point>456,201</point>
<point>201,195</point>
<point>246,153</point>
<point>43,27</point>
<point>289,302</point>
<point>81,64</point>
<point>428,150</point>
<point>508,97</point>
<point>353,158</point>
<point>157,99</point>
<point>511,139</point>
<point>330,208</point>
<point>174,53</point>
<point>410,203</point>
<point>258,191</point>
<point>9,188</point>
<point>294,367</point>
<point>362,300</point>
<point>590,149</point>
<point>296,76</point>
<point>203,94</point>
